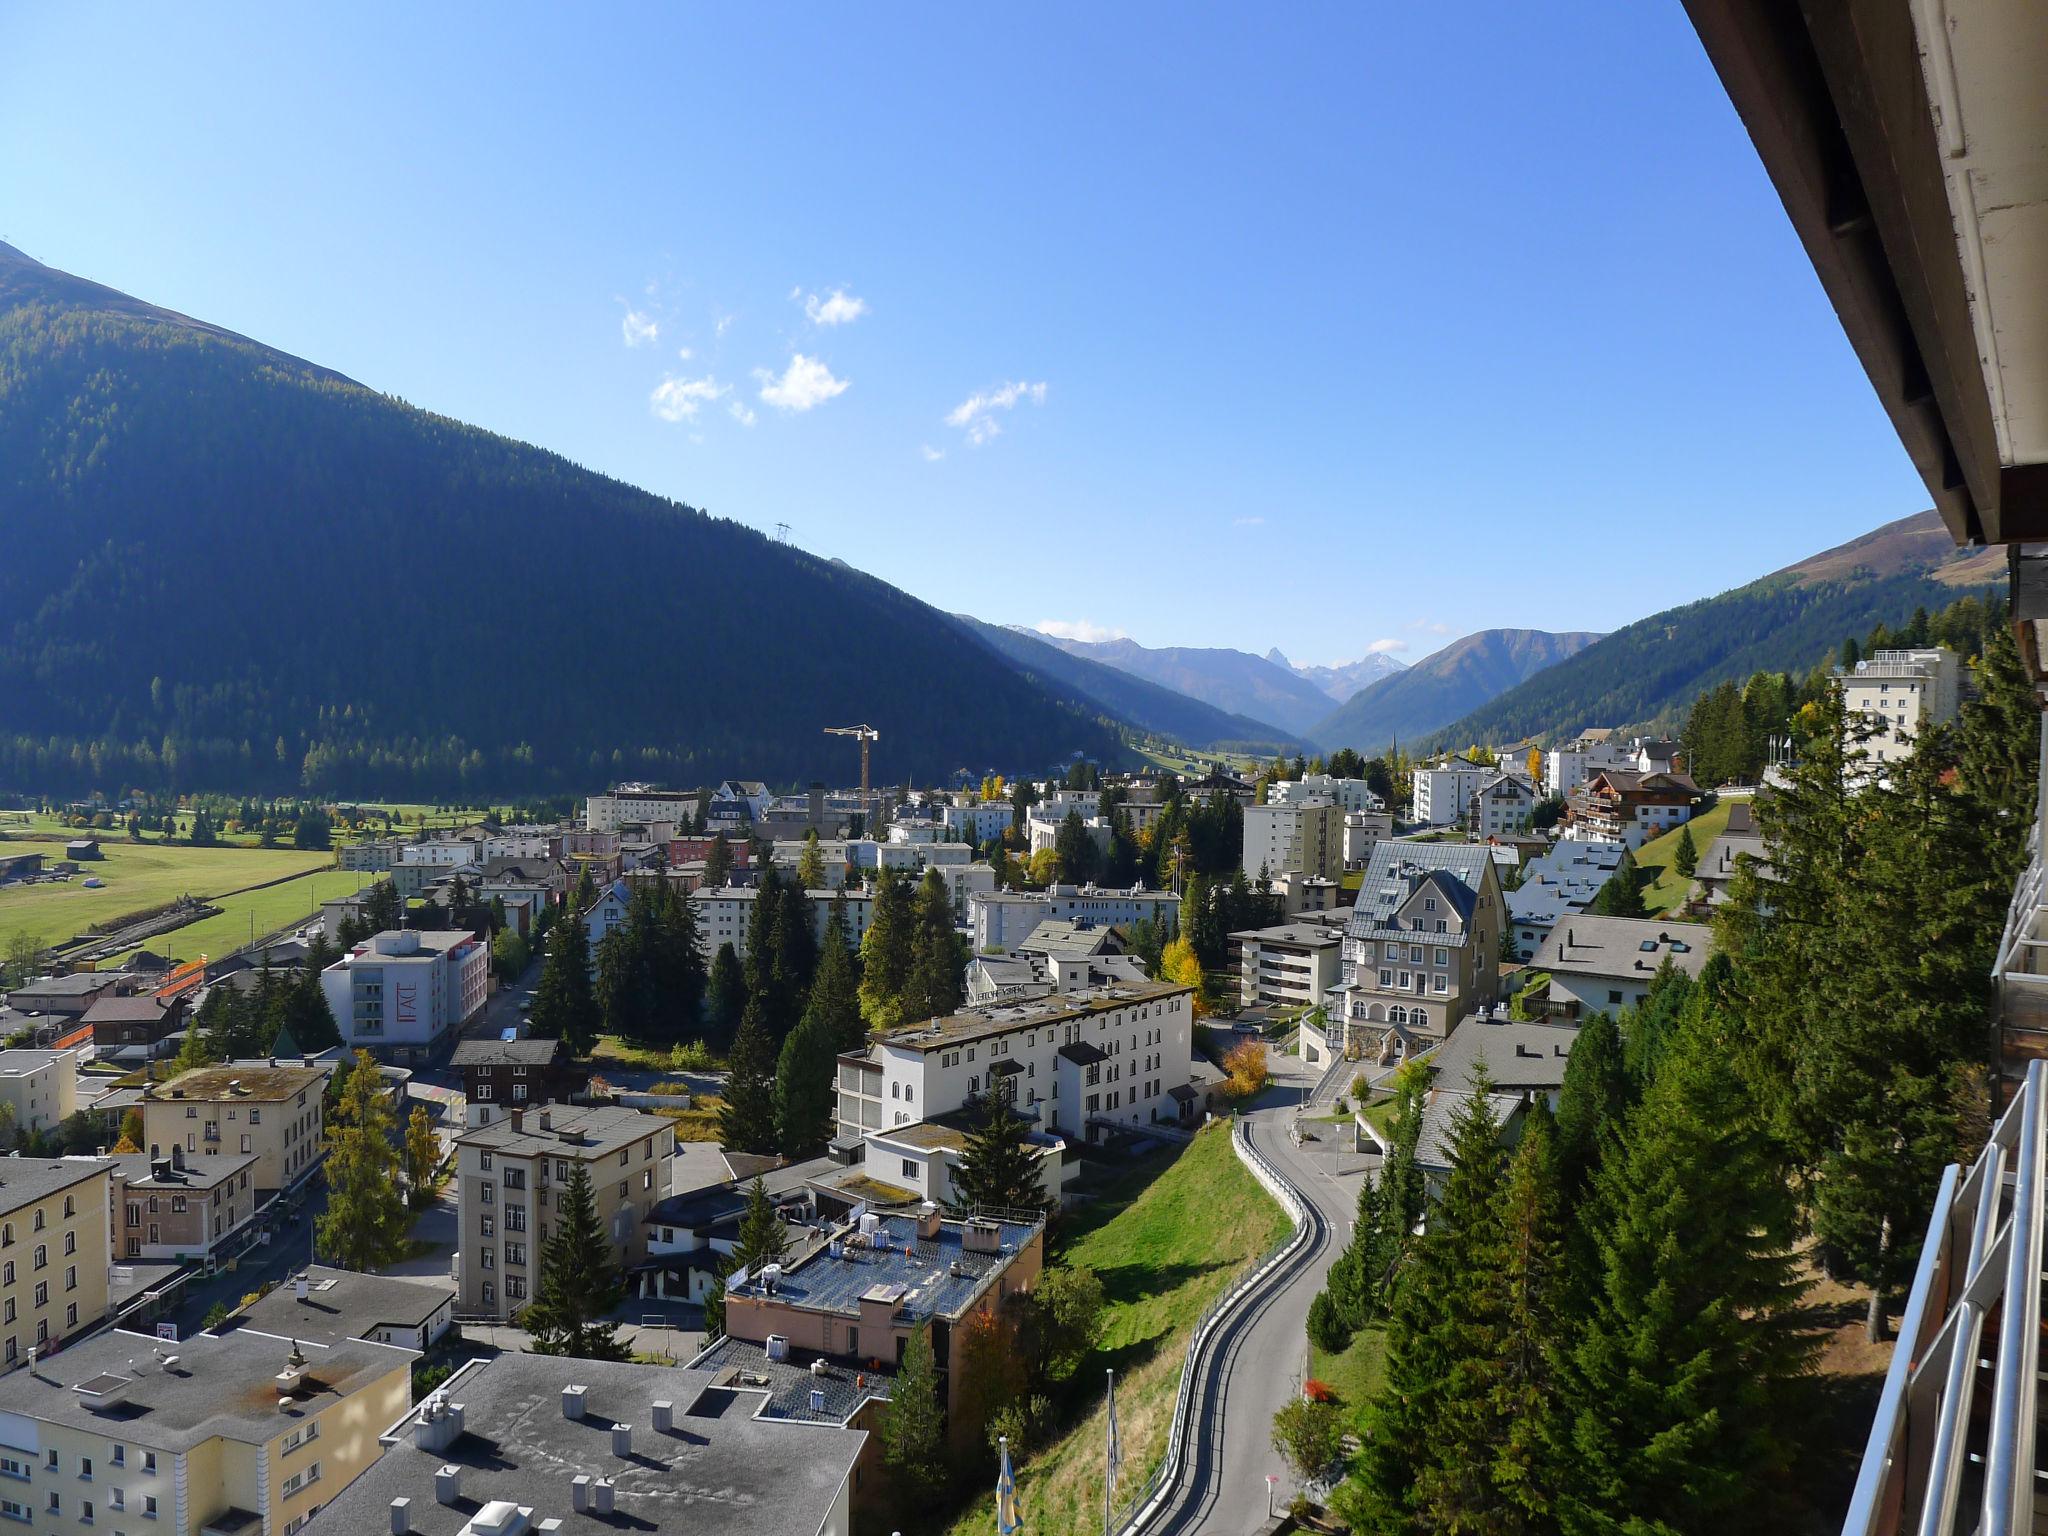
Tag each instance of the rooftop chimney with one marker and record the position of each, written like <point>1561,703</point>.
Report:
<point>572,1401</point>
<point>601,1496</point>
<point>622,1440</point>
<point>547,1120</point>
<point>177,1156</point>
<point>401,1517</point>
<point>518,1122</point>
<point>447,1483</point>
<point>579,1493</point>
<point>664,1416</point>
<point>928,1221</point>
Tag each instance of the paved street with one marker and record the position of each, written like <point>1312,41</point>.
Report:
<point>1256,1363</point>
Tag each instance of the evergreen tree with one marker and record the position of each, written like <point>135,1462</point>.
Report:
<point>998,1169</point>
<point>746,1120</point>
<point>302,1015</point>
<point>806,1098</point>
<point>1075,849</point>
<point>936,981</point>
<point>1678,1384</point>
<point>1687,855</point>
<point>718,864</point>
<point>1362,1279</point>
<point>763,1238</point>
<point>364,1224</point>
<point>795,953</point>
<point>1591,1104</point>
<point>835,990</point>
<point>422,1155</point>
<point>725,998</point>
<point>810,864</point>
<point>886,953</point>
<point>1528,1435</point>
<point>1622,895</point>
<point>565,1005</point>
<point>579,1284</point>
<point>913,1427</point>
<point>1432,1430</point>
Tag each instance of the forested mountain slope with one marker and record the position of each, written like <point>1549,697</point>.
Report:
<point>1444,685</point>
<point>227,568</point>
<point>1236,682</point>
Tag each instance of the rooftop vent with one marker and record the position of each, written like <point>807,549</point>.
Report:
<point>572,1401</point>
<point>500,1517</point>
<point>401,1517</point>
<point>447,1483</point>
<point>579,1493</point>
<point>438,1425</point>
<point>664,1416</point>
<point>601,1496</point>
<point>983,1236</point>
<point>817,1401</point>
<point>622,1440</point>
<point>777,1347</point>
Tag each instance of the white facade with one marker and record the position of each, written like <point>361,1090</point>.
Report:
<point>1565,769</point>
<point>725,915</point>
<point>1352,794</point>
<point>1043,833</point>
<point>637,803</point>
<point>1503,805</point>
<point>405,994</point>
<point>41,1087</point>
<point>1898,694</point>
<point>1305,834</point>
<point>1443,793</point>
<point>1002,920</point>
<point>976,821</point>
<point>1363,831</point>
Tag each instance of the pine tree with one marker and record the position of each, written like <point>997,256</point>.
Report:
<point>1529,1436</point>
<point>302,1014</point>
<point>763,1238</point>
<point>364,1224</point>
<point>810,864</point>
<point>579,1282</point>
<point>746,1120</point>
<point>806,1098</point>
<point>1431,1430</point>
<point>678,967</point>
<point>1677,1385</point>
<point>937,969</point>
<point>1622,895</point>
<point>835,990</point>
<point>886,954</point>
<point>1687,855</point>
<point>725,998</point>
<point>564,1003</point>
<point>913,1427</point>
<point>1591,1104</point>
<point>795,954</point>
<point>1361,1281</point>
<point>998,1170</point>
<point>718,864</point>
<point>194,1051</point>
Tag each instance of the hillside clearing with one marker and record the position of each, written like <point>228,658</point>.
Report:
<point>1667,890</point>
<point>1163,1255</point>
<point>140,876</point>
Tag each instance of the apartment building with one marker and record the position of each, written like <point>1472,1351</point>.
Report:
<point>240,1433</point>
<point>1443,791</point>
<point>1306,834</point>
<point>725,915</point>
<point>1502,805</point>
<point>1567,767</point>
<point>508,1172</point>
<point>271,1109</point>
<point>1042,829</point>
<point>1422,946</point>
<point>501,1075</point>
<point>1292,965</point>
<point>178,1208</point>
<point>1003,920</point>
<point>626,803</point>
<point>40,1087</point>
<point>54,1252</point>
<point>976,821</point>
<point>1606,964</point>
<point>1898,694</point>
<point>1363,832</point>
<point>520,1443</point>
<point>1351,794</point>
<point>1624,805</point>
<point>1082,1062</point>
<point>404,995</point>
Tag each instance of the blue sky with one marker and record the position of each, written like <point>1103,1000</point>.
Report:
<point>1320,327</point>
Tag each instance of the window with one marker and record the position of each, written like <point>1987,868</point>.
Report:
<point>301,1435</point>
<point>912,1168</point>
<point>70,1277</point>
<point>515,1287</point>
<point>149,1506</point>
<point>1613,995</point>
<point>43,1300</point>
<point>255,1117</point>
<point>42,1256</point>
<point>119,1457</point>
<point>85,1511</point>
<point>9,1467</point>
<point>515,1253</point>
<point>70,1205</point>
<point>149,1465</point>
<point>71,1316</point>
<point>118,1497</point>
<point>490,1294</point>
<point>248,1142</point>
<point>12,1509</point>
<point>304,1478</point>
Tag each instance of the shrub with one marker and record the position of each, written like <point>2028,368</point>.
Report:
<point>1317,1391</point>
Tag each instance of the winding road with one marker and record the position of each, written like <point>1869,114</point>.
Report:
<point>1254,1362</point>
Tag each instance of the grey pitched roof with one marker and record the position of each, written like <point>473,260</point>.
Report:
<point>578,1132</point>
<point>490,1051</point>
<point>1631,947</point>
<point>25,1180</point>
<point>1433,1140</point>
<point>1395,867</point>
<point>724,1467</point>
<point>1519,1055</point>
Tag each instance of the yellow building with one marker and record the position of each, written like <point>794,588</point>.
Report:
<point>41,1087</point>
<point>270,1109</point>
<point>53,1251</point>
<point>236,1434</point>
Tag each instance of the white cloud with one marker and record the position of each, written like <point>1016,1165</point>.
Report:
<point>639,329</point>
<point>837,308</point>
<point>723,323</point>
<point>1430,626</point>
<point>804,383</point>
<point>931,455</point>
<point>972,415</point>
<point>1247,522</point>
<point>1078,629</point>
<point>1385,647</point>
<point>743,413</point>
<point>677,399</point>
<point>684,353</point>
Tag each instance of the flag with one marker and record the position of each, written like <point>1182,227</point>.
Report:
<point>1008,1519</point>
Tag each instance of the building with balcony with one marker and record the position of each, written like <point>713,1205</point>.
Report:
<point>1898,694</point>
<point>1351,794</point>
<point>1002,920</point>
<point>1625,805</point>
<point>1306,834</point>
<point>239,1433</point>
<point>1291,966</point>
<point>509,1173</point>
<point>404,995</point>
<point>272,1109</point>
<point>1502,806</point>
<point>1443,790</point>
<point>1422,946</point>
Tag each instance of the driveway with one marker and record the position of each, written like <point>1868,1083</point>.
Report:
<point>1255,1363</point>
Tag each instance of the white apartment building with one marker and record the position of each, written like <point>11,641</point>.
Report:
<point>725,915</point>
<point>1082,1062</point>
<point>1364,831</point>
<point>1042,830</point>
<point>1293,965</point>
<point>41,1087</point>
<point>1422,947</point>
<point>1899,694</point>
<point>1352,794</point>
<point>1503,804</point>
<point>404,995</point>
<point>1444,792</point>
<point>1003,920</point>
<point>1566,768</point>
<point>1305,834</point>
<point>638,803</point>
<point>976,821</point>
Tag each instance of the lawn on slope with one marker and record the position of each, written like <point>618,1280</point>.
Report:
<point>1165,1240</point>
<point>256,913</point>
<point>139,876</point>
<point>1658,858</point>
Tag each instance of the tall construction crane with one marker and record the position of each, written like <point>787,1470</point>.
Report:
<point>865,734</point>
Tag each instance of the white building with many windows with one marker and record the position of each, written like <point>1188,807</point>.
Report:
<point>404,995</point>
<point>1444,791</point>
<point>1898,694</point>
<point>1002,920</point>
<point>1352,794</point>
<point>1305,834</point>
<point>1423,945</point>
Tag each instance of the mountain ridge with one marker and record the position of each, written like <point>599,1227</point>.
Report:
<point>1234,681</point>
<point>1444,685</point>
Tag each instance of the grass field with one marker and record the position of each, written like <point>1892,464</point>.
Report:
<point>1670,887</point>
<point>1163,1254</point>
<point>257,912</point>
<point>1356,1374</point>
<point>140,876</point>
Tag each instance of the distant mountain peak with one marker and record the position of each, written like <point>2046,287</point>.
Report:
<point>1279,658</point>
